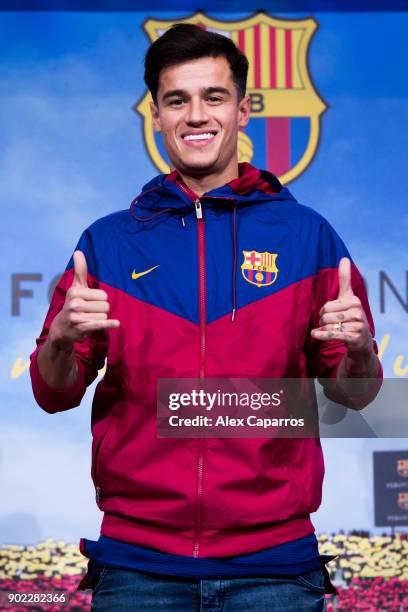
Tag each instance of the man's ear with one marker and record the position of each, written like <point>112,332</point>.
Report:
<point>154,111</point>
<point>244,111</point>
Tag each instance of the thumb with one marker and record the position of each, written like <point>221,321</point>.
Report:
<point>345,277</point>
<point>80,270</point>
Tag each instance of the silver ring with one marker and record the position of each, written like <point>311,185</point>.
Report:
<point>338,327</point>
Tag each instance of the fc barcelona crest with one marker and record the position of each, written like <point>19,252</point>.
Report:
<point>259,268</point>
<point>283,133</point>
<point>402,467</point>
<point>403,501</point>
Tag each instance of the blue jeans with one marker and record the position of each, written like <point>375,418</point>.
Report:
<point>117,589</point>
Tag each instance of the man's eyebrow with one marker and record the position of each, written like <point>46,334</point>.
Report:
<point>222,90</point>
<point>173,92</point>
<point>206,90</point>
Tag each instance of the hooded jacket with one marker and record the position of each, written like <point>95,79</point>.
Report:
<point>172,266</point>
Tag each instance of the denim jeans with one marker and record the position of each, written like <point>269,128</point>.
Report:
<point>117,589</point>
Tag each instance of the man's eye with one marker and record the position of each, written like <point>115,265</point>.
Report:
<point>214,99</point>
<point>176,101</point>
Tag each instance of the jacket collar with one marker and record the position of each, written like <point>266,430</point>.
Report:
<point>249,180</point>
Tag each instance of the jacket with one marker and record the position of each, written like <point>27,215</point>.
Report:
<point>198,311</point>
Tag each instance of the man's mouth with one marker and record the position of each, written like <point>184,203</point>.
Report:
<point>199,139</point>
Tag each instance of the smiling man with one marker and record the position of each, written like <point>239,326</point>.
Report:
<point>220,523</point>
<point>199,120</point>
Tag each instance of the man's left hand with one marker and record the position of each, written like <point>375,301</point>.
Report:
<point>344,318</point>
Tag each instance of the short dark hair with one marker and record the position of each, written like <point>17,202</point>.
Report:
<point>185,41</point>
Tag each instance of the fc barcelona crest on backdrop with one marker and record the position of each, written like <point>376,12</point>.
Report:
<point>402,467</point>
<point>259,268</point>
<point>283,133</point>
<point>403,501</point>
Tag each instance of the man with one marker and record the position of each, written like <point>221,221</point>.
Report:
<point>202,523</point>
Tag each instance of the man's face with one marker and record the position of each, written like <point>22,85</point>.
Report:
<point>199,115</point>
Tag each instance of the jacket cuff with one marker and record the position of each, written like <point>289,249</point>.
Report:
<point>55,399</point>
<point>360,401</point>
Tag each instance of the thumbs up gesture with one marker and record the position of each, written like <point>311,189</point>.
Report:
<point>85,310</point>
<point>344,318</point>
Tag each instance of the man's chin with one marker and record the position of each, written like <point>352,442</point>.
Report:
<point>196,167</point>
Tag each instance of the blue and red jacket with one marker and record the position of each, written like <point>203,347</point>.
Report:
<point>196,313</point>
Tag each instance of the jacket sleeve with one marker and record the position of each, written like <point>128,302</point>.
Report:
<point>90,352</point>
<point>325,357</point>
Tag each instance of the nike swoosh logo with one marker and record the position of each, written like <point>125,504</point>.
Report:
<point>136,275</point>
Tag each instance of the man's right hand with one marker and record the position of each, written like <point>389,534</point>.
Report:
<point>85,310</point>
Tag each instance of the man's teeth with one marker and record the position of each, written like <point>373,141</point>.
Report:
<point>199,136</point>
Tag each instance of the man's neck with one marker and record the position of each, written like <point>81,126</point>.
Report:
<point>203,184</point>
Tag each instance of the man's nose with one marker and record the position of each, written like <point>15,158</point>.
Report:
<point>197,112</point>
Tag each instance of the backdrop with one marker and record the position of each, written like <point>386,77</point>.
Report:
<point>329,116</point>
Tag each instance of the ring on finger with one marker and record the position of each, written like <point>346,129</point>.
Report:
<point>338,327</point>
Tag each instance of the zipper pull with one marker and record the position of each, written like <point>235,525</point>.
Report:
<point>199,210</point>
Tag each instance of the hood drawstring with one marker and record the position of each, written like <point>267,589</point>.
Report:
<point>135,200</point>
<point>234,267</point>
<point>156,214</point>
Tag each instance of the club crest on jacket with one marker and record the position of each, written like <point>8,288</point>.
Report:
<point>259,268</point>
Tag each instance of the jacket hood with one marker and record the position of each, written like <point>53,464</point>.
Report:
<point>168,192</point>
